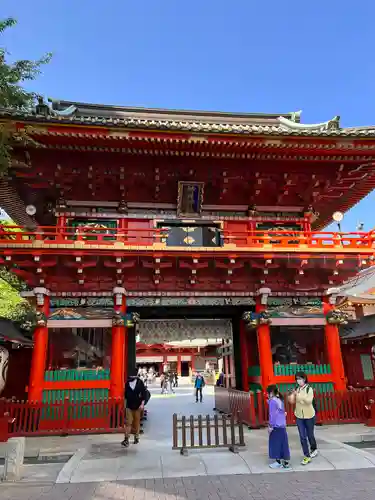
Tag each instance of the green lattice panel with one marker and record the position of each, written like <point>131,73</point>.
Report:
<point>74,396</point>
<point>320,388</point>
<point>309,369</point>
<point>75,375</point>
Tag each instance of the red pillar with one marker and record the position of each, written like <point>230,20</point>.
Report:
<point>39,355</point>
<point>244,357</point>
<point>332,337</point>
<point>119,355</point>
<point>232,372</point>
<point>264,348</point>
<point>226,371</point>
<point>61,224</point>
<point>179,365</point>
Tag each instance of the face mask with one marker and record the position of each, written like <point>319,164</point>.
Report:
<point>300,382</point>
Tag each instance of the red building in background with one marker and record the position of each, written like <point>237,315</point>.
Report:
<point>182,225</point>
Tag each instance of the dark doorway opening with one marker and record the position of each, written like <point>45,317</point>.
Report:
<point>184,368</point>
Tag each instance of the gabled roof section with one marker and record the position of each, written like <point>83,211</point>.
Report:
<point>359,329</point>
<point>358,290</point>
<point>10,333</point>
<point>206,122</point>
<point>84,111</point>
<point>132,118</point>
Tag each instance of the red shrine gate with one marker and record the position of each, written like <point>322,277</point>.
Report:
<point>137,207</point>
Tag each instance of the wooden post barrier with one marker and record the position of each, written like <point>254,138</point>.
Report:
<point>207,432</point>
<point>222,403</point>
<point>62,418</point>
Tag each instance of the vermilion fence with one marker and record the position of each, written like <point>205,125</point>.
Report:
<point>66,417</point>
<point>332,407</point>
<point>19,236</point>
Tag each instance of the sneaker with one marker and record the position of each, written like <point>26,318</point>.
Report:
<point>275,465</point>
<point>286,465</point>
<point>125,443</point>
<point>136,440</point>
<point>314,453</point>
<point>306,460</point>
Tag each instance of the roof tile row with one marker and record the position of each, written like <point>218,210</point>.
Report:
<point>193,126</point>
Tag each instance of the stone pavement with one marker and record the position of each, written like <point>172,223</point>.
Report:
<point>99,458</point>
<point>333,485</point>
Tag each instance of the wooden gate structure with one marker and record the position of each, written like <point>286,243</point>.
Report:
<point>188,433</point>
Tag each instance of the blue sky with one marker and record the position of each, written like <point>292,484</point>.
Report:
<point>239,55</point>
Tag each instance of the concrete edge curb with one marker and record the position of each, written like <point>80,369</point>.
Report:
<point>352,449</point>
<point>66,472</point>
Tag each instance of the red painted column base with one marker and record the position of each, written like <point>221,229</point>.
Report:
<point>38,364</point>
<point>332,337</point>
<point>117,362</point>
<point>119,354</point>
<point>244,357</point>
<point>265,351</point>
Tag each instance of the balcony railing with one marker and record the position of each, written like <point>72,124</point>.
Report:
<point>156,239</point>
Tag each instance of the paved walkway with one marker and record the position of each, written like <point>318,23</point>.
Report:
<point>100,458</point>
<point>334,485</point>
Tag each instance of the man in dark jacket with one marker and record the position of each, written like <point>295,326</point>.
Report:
<point>135,396</point>
<point>199,384</point>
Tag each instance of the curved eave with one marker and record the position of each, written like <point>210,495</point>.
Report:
<point>348,199</point>
<point>236,141</point>
<point>199,127</point>
<point>44,135</point>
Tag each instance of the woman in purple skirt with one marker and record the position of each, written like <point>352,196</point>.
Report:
<point>278,437</point>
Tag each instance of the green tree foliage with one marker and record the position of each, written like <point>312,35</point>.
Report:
<point>10,300</point>
<point>12,94</point>
<point>15,308</point>
<point>12,305</point>
<point>10,278</point>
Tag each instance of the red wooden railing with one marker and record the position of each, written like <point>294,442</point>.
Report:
<point>333,408</point>
<point>65,417</point>
<point>17,236</point>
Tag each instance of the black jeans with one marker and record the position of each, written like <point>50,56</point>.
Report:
<point>198,390</point>
<point>306,434</point>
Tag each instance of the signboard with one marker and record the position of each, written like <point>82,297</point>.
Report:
<point>295,307</point>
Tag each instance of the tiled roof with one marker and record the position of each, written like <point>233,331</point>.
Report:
<point>186,121</point>
<point>358,329</point>
<point>9,332</point>
<point>13,205</point>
